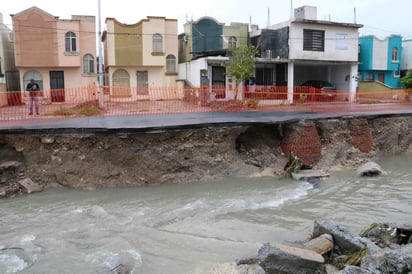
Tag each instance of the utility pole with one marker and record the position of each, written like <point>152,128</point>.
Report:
<point>101,90</point>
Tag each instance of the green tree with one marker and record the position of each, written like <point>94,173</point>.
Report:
<point>407,79</point>
<point>241,64</point>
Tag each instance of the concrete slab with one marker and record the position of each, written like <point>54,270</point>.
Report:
<point>310,174</point>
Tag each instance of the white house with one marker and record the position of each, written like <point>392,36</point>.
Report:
<point>406,63</point>
<point>305,48</point>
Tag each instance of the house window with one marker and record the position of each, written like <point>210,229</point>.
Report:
<point>396,74</point>
<point>395,54</point>
<point>11,37</point>
<point>70,41</point>
<point>88,64</point>
<point>313,40</point>
<point>341,41</point>
<point>232,42</point>
<point>171,64</point>
<point>157,43</point>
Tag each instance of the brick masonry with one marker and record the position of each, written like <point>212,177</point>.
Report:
<point>302,139</point>
<point>361,135</point>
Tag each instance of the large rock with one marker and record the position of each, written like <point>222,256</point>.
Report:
<point>370,169</point>
<point>389,261</point>
<point>30,186</point>
<point>286,259</point>
<point>346,242</point>
<point>321,244</point>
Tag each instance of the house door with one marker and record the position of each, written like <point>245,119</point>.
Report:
<point>381,77</point>
<point>264,77</point>
<point>57,86</point>
<point>219,82</point>
<point>281,75</point>
<point>142,82</point>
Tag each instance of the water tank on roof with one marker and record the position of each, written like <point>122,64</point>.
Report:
<point>306,12</point>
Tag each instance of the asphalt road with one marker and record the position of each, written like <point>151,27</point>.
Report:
<point>175,121</point>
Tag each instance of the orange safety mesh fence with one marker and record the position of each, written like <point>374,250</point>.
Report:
<point>134,101</point>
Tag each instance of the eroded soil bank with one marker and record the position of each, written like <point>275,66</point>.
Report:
<point>112,159</point>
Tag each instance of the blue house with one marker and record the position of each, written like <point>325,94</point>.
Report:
<point>380,60</point>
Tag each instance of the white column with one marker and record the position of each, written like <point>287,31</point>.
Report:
<point>353,82</point>
<point>291,79</point>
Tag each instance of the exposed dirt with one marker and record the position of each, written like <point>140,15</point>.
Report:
<point>119,159</point>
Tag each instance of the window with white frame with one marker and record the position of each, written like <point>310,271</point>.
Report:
<point>157,42</point>
<point>232,42</point>
<point>395,54</point>
<point>70,42</point>
<point>88,64</point>
<point>396,74</point>
<point>171,63</point>
<point>313,40</point>
<point>341,41</point>
<point>11,37</point>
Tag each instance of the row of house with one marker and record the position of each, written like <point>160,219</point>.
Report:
<point>61,54</point>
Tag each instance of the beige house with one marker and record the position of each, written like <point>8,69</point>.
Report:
<point>58,54</point>
<point>141,58</point>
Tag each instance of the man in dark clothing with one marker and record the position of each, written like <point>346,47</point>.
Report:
<point>33,88</point>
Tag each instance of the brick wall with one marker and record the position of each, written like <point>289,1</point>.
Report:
<point>302,139</point>
<point>361,135</point>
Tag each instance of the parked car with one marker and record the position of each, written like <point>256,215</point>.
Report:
<point>318,90</point>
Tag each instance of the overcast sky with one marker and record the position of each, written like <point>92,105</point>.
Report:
<point>379,17</point>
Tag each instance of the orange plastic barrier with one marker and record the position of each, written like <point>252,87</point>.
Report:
<point>134,101</point>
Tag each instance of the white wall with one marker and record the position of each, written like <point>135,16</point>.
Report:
<point>380,54</point>
<point>406,61</point>
<point>340,76</point>
<point>331,53</point>
<point>190,71</point>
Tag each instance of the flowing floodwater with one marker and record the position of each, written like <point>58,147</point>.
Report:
<point>188,228</point>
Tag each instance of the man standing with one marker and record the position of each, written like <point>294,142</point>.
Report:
<point>33,89</point>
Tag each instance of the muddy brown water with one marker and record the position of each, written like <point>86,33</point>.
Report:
<point>189,228</point>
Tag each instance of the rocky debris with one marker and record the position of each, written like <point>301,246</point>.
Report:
<point>10,190</point>
<point>288,259</point>
<point>388,235</point>
<point>370,169</point>
<point>337,252</point>
<point>233,268</point>
<point>350,269</point>
<point>251,260</point>
<point>30,186</point>
<point>10,172</point>
<point>346,242</point>
<point>309,175</point>
<point>389,261</point>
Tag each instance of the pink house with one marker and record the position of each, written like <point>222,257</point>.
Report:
<point>59,54</point>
